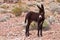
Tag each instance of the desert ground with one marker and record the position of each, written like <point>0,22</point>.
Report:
<point>13,28</point>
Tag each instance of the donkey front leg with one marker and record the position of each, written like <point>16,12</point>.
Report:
<point>38,30</point>
<point>41,30</point>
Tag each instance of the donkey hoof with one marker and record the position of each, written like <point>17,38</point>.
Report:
<point>38,35</point>
<point>41,35</point>
<point>27,35</point>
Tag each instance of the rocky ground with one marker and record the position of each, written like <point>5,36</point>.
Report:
<point>12,29</point>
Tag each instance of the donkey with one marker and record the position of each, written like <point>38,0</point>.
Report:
<point>37,17</point>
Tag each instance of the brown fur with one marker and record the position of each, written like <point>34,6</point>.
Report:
<point>33,16</point>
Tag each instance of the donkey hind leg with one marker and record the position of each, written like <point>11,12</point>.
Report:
<point>27,29</point>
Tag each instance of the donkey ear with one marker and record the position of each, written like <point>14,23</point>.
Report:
<point>42,6</point>
<point>38,7</point>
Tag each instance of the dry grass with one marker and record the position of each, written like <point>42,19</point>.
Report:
<point>58,1</point>
<point>17,11</point>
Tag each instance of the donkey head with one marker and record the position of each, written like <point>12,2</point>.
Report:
<point>41,10</point>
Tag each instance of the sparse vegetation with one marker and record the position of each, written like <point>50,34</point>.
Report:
<point>21,8</point>
<point>13,28</point>
<point>3,11</point>
<point>34,24</point>
<point>19,3</point>
<point>45,24</point>
<point>58,1</point>
<point>17,11</point>
<point>24,6</point>
<point>4,6</point>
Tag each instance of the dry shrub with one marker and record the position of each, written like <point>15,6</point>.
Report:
<point>4,6</point>
<point>24,6</point>
<point>21,8</point>
<point>58,1</point>
<point>17,11</point>
<point>34,25</point>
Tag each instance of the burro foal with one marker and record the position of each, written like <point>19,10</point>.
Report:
<point>37,17</point>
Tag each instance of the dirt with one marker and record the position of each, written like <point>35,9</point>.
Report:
<point>10,30</point>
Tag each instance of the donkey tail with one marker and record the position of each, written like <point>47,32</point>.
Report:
<point>25,18</point>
